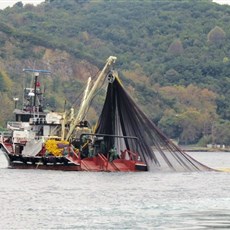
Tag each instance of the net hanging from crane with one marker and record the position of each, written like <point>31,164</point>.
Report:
<point>122,117</point>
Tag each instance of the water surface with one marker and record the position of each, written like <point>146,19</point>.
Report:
<point>37,199</point>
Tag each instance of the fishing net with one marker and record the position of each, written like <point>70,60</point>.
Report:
<point>133,131</point>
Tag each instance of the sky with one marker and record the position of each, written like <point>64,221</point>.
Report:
<point>222,1</point>
<point>6,3</point>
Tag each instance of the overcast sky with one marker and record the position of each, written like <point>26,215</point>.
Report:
<point>5,3</point>
<point>222,1</point>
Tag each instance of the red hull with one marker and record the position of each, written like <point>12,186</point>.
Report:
<point>94,164</point>
<point>72,162</point>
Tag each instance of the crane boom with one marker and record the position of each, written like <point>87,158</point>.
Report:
<point>82,112</point>
<point>87,98</point>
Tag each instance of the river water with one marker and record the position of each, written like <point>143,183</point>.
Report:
<point>36,199</point>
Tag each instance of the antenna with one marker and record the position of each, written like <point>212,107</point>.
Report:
<point>36,74</point>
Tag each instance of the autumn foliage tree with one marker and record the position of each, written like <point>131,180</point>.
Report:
<point>216,35</point>
<point>176,47</point>
<point>193,108</point>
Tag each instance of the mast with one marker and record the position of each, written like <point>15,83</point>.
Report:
<point>36,75</point>
<point>35,88</point>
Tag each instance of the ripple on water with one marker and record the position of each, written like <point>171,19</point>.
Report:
<point>36,199</point>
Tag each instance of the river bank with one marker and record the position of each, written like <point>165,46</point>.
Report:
<point>203,149</point>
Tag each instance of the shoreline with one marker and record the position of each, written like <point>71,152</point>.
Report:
<point>203,149</point>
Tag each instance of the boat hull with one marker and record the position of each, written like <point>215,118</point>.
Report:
<point>72,162</point>
<point>19,165</point>
<point>93,164</point>
<point>45,163</point>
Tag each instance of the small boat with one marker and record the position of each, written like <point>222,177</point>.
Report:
<point>61,141</point>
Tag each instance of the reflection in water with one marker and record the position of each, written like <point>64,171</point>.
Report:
<point>213,219</point>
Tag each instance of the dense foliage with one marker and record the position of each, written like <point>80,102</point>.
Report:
<point>172,55</point>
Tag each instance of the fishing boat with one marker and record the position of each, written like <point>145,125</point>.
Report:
<point>123,140</point>
<point>62,141</point>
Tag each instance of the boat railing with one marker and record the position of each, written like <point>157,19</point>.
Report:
<point>91,137</point>
<point>38,120</point>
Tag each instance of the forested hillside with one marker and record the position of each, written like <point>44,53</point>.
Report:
<point>173,57</point>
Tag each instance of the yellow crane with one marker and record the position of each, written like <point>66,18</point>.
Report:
<point>88,96</point>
